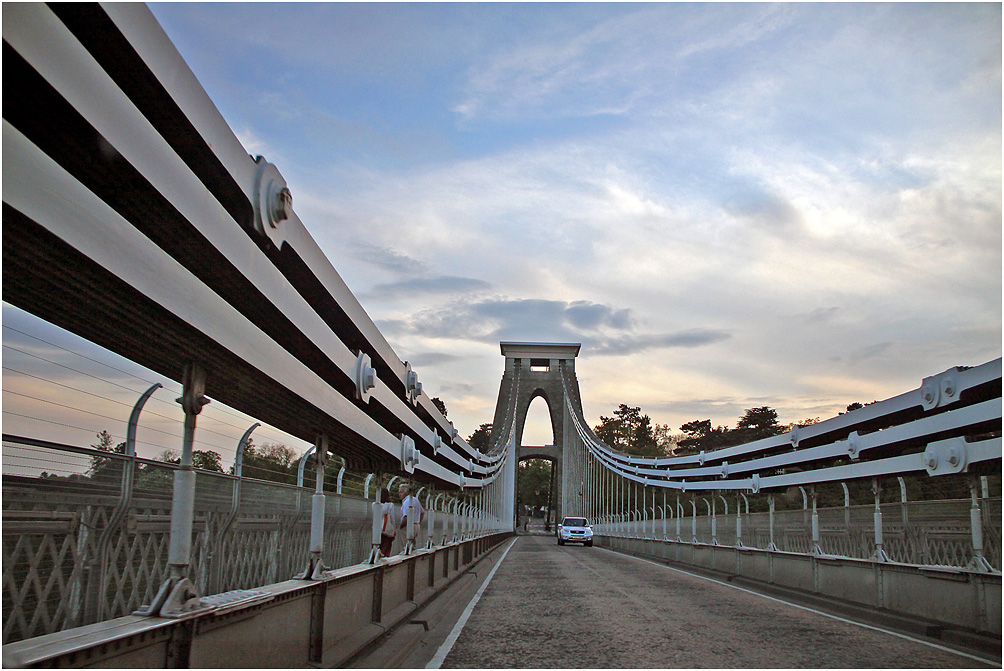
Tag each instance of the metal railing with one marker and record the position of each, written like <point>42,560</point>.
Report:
<point>81,548</point>
<point>923,533</point>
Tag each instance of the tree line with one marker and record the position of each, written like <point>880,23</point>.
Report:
<point>632,432</point>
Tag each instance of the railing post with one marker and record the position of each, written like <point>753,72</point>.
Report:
<point>816,548</point>
<point>847,507</point>
<point>430,526</point>
<point>880,554</point>
<point>338,482</point>
<point>739,519</point>
<point>178,594</point>
<point>679,516</point>
<point>726,504</point>
<point>96,578</point>
<point>455,520</point>
<point>979,562</point>
<point>664,511</point>
<point>216,551</point>
<point>315,565</point>
<point>376,532</point>
<point>772,546</point>
<point>714,519</point>
<point>693,518</point>
<point>902,500</point>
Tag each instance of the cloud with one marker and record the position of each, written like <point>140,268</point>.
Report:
<point>433,358</point>
<point>685,339</point>
<point>602,329</point>
<point>429,285</point>
<point>387,259</point>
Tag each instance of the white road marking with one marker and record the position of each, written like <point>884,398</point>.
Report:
<point>437,660</point>
<point>811,610</point>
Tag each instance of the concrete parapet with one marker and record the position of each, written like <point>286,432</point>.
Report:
<point>952,598</point>
<point>298,622</point>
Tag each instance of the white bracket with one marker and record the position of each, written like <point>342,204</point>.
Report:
<point>756,483</point>
<point>853,445</point>
<point>411,384</point>
<point>725,469</point>
<point>946,456</point>
<point>272,202</point>
<point>365,377</point>
<point>939,390</point>
<point>437,443</point>
<point>409,454</point>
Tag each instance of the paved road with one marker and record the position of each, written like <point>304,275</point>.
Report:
<point>578,607</point>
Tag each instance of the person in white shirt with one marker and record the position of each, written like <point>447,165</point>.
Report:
<point>410,507</point>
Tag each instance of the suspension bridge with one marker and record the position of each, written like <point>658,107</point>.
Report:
<point>134,218</point>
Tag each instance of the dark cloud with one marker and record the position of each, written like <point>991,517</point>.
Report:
<point>640,343</point>
<point>429,285</point>
<point>601,329</point>
<point>586,315</point>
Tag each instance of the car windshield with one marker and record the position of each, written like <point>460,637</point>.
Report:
<point>574,522</point>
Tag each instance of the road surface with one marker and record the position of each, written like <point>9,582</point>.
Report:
<point>576,607</point>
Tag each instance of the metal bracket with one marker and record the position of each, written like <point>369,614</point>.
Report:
<point>272,202</point>
<point>409,454</point>
<point>853,446</point>
<point>177,597</point>
<point>725,469</point>
<point>939,390</point>
<point>414,386</point>
<point>437,444</point>
<point>944,457</point>
<point>365,377</point>
<point>313,571</point>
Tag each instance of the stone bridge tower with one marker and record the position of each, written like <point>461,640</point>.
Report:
<point>532,370</point>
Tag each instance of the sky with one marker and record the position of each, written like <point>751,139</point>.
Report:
<point>728,205</point>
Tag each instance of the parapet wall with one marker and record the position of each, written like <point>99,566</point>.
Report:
<point>955,598</point>
<point>295,623</point>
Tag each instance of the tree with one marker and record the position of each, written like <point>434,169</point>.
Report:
<point>534,482</point>
<point>479,440</point>
<point>629,431</point>
<point>699,435</point>
<point>668,442</point>
<point>438,402</point>
<point>757,423</point>
<point>272,461</point>
<point>106,469</point>
<point>205,460</point>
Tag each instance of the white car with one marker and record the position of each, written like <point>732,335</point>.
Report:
<point>575,530</point>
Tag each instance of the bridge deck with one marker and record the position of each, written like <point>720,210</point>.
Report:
<point>576,607</point>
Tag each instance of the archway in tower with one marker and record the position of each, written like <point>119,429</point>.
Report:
<point>535,494</point>
<point>536,475</point>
